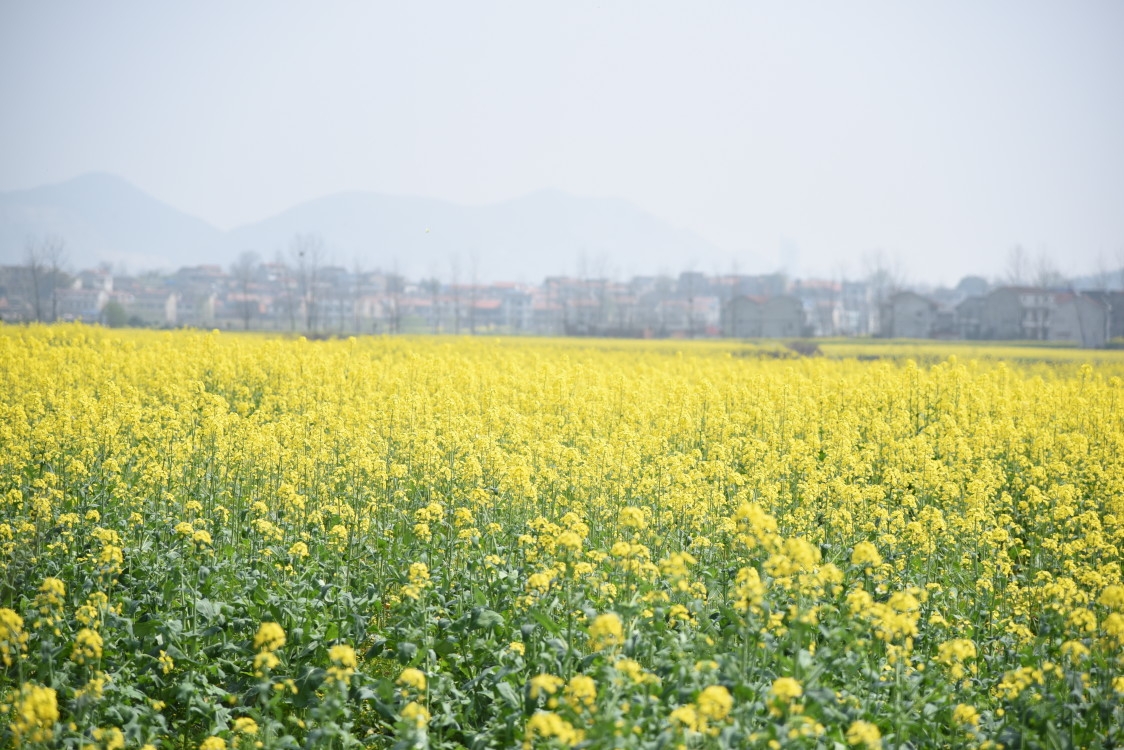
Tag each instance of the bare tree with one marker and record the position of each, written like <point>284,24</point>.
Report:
<point>1018,266</point>
<point>46,260</point>
<point>1046,274</point>
<point>576,309</point>
<point>307,251</point>
<point>342,293</point>
<point>839,281</point>
<point>1102,278</point>
<point>35,265</point>
<point>691,292</point>
<point>357,290</point>
<point>243,271</point>
<point>433,286</point>
<point>395,285</point>
<point>604,300</point>
<point>474,281</point>
<point>455,287</point>
<point>288,292</point>
<point>55,258</point>
<point>884,278</point>
<point>661,296</point>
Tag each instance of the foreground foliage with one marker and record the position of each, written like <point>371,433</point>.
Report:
<point>210,541</point>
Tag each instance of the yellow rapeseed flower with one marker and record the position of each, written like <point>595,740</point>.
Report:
<point>864,733</point>
<point>966,715</point>
<point>581,692</point>
<point>245,725</point>
<point>13,639</point>
<point>547,724</point>
<point>785,689</point>
<point>270,637</point>
<point>715,702</point>
<point>87,646</point>
<point>343,662</point>
<point>34,714</point>
<point>606,631</point>
<point>111,738</point>
<point>865,555</point>
<point>416,714</point>
<point>412,678</point>
<point>545,684</point>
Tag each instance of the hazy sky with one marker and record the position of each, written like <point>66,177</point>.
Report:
<point>806,134</point>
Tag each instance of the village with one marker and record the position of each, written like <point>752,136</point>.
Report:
<point>333,300</point>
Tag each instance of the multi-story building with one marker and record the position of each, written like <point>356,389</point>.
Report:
<point>1080,318</point>
<point>907,315</point>
<point>755,317</point>
<point>1011,313</point>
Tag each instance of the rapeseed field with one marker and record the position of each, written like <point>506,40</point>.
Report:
<point>231,541</point>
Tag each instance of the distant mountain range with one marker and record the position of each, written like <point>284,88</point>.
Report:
<point>104,218</point>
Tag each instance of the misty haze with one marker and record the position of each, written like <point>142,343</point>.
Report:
<point>626,169</point>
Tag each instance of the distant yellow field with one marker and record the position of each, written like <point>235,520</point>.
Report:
<point>213,540</point>
<point>1011,351</point>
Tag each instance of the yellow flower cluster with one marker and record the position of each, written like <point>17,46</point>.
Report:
<point>966,715</point>
<point>545,685</point>
<point>245,725</point>
<point>711,707</point>
<point>621,510</point>
<point>548,725</point>
<point>894,620</point>
<point>954,654</point>
<point>785,690</point>
<point>269,639</point>
<point>49,602</point>
<point>416,715</point>
<point>418,581</point>
<point>635,672</point>
<point>1018,680</point>
<point>343,663</point>
<point>413,679</point>
<point>865,555</point>
<point>87,646</point>
<point>606,631</point>
<point>581,692</point>
<point>109,738</point>
<point>13,639</point>
<point>167,664</point>
<point>34,712</point>
<point>864,733</point>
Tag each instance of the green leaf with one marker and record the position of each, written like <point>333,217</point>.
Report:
<point>507,692</point>
<point>550,625</point>
<point>486,618</point>
<point>407,651</point>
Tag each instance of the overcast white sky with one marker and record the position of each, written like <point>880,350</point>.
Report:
<point>809,134</point>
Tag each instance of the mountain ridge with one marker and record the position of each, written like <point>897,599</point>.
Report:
<point>105,218</point>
